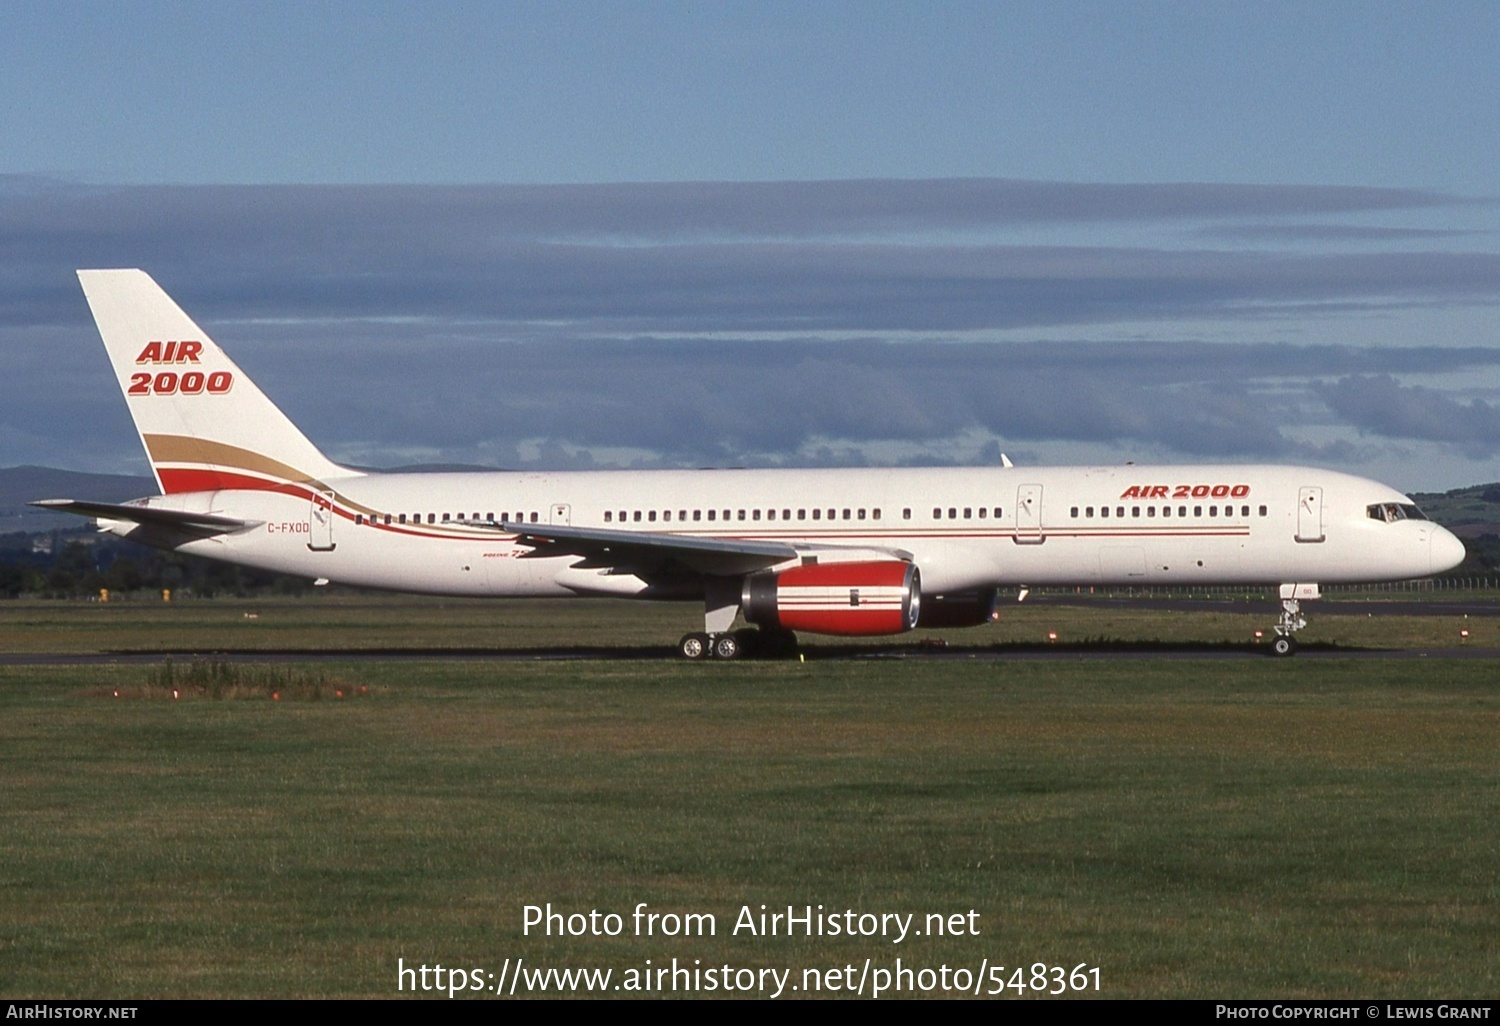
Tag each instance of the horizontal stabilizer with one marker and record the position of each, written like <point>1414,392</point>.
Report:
<point>147,515</point>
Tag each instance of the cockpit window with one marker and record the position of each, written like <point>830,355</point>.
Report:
<point>1391,512</point>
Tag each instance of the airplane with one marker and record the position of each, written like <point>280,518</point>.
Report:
<point>834,552</point>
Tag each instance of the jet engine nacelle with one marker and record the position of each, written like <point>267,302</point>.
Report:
<point>882,597</point>
<point>960,608</point>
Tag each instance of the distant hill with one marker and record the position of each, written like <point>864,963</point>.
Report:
<point>1467,512</point>
<point>20,485</point>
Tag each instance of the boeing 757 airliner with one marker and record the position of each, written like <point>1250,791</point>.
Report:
<point>849,552</point>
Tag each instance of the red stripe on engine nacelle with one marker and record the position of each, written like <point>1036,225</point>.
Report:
<point>869,598</point>
<point>845,575</point>
<point>851,621</point>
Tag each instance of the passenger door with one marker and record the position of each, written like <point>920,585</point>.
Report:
<point>1310,514</point>
<point>320,522</point>
<point>1029,515</point>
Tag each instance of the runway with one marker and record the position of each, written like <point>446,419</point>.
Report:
<point>818,653</point>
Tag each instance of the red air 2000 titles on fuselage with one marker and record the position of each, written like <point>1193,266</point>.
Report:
<point>1183,491</point>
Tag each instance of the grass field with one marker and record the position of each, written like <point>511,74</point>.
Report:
<point>1223,828</point>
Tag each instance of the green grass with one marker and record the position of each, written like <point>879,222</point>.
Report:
<point>1235,828</point>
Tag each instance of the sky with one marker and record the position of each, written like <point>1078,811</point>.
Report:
<point>578,235</point>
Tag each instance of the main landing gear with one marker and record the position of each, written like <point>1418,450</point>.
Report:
<point>1292,620</point>
<point>747,643</point>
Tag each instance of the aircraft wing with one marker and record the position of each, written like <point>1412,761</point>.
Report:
<point>646,552</point>
<point>149,515</point>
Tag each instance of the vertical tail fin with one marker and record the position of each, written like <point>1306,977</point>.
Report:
<point>203,423</point>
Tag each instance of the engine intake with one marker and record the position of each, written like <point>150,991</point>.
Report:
<point>882,597</point>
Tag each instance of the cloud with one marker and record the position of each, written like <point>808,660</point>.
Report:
<point>1380,405</point>
<point>1332,233</point>
<point>703,401</point>
<point>691,324</point>
<point>786,256</point>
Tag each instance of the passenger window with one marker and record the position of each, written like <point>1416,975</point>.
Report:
<point>1135,511</point>
<point>1166,511</point>
<point>861,514</point>
<point>387,518</point>
<point>1263,511</point>
<point>637,516</point>
<point>968,513</point>
<point>1119,511</point>
<point>403,518</point>
<point>1197,511</point>
<point>952,513</point>
<point>608,516</point>
<point>770,514</point>
<point>710,514</point>
<point>742,515</point>
<point>817,514</point>
<point>937,514</point>
<point>802,514</point>
<point>846,514</point>
<point>1244,511</point>
<point>906,513</point>
<point>876,513</point>
<point>997,512</point>
<point>1150,511</point>
<point>1104,511</point>
<point>1089,512</point>
<point>754,514</point>
<point>359,519</point>
<point>1182,511</point>
<point>697,515</point>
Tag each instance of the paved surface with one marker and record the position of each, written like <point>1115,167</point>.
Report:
<point>896,649</point>
<point>1311,608</point>
<point>999,653</point>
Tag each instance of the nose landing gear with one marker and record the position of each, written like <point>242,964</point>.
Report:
<point>1292,619</point>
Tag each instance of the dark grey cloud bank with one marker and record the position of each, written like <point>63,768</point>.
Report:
<point>1380,405</point>
<point>695,403</point>
<point>462,321</point>
<point>868,255</point>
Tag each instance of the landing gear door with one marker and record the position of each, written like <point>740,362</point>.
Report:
<point>320,523</point>
<point>1309,514</point>
<point>1029,515</point>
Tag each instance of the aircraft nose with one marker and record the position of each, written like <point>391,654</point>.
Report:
<point>1447,550</point>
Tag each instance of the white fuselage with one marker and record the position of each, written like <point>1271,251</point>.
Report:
<point>964,528</point>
